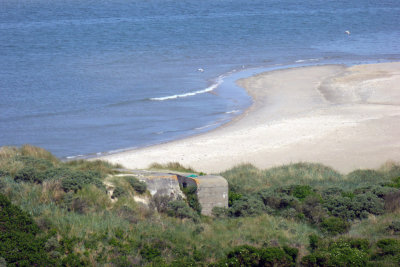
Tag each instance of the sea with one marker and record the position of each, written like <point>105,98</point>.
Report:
<point>88,77</point>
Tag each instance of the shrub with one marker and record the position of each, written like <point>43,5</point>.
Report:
<point>394,227</point>
<point>160,202</point>
<point>368,202</point>
<point>395,182</point>
<point>312,209</point>
<point>346,256</point>
<point>18,234</point>
<point>191,198</point>
<point>302,191</point>
<point>232,196</point>
<point>179,209</point>
<point>357,243</point>
<point>220,212</point>
<point>247,206</point>
<point>29,174</point>
<point>314,241</point>
<point>389,246</point>
<point>331,191</point>
<point>292,252</point>
<point>149,252</point>
<point>274,256</point>
<point>277,200</point>
<point>75,180</point>
<point>315,259</point>
<point>360,244</point>
<point>137,185</point>
<point>246,255</point>
<point>334,226</point>
<point>118,192</point>
<point>358,207</point>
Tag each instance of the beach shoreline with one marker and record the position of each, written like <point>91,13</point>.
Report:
<point>343,117</point>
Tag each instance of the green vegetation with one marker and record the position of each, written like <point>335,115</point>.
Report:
<point>171,166</point>
<point>191,198</point>
<point>139,186</point>
<point>55,213</point>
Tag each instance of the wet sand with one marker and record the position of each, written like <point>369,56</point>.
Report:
<point>343,117</point>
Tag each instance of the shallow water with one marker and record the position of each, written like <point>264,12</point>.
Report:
<point>82,77</point>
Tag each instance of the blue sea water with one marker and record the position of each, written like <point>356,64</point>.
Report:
<point>83,76</point>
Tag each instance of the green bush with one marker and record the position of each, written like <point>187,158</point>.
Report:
<point>118,192</point>
<point>334,226</point>
<point>75,180</point>
<point>358,207</point>
<point>180,209</point>
<point>346,256</point>
<point>191,198</point>
<point>20,244</point>
<point>315,259</point>
<point>149,252</point>
<point>246,255</point>
<point>331,192</point>
<point>220,212</point>
<point>342,252</point>
<point>357,243</point>
<point>29,174</point>
<point>160,202</point>
<point>312,209</point>
<point>292,252</point>
<point>247,206</point>
<point>394,227</point>
<point>276,200</point>
<point>137,185</point>
<point>274,256</point>
<point>232,197</point>
<point>389,246</point>
<point>302,191</point>
<point>314,241</point>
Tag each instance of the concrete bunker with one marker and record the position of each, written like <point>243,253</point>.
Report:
<point>212,191</point>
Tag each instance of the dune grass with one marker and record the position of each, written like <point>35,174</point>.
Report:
<point>89,228</point>
<point>171,166</point>
<point>247,179</point>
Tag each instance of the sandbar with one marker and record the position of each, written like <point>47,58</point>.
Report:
<point>344,117</point>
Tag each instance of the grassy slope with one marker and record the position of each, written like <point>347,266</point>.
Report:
<point>88,224</point>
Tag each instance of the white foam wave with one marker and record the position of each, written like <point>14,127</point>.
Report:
<point>206,90</point>
<point>73,157</point>
<point>232,111</point>
<point>206,126</point>
<point>306,60</point>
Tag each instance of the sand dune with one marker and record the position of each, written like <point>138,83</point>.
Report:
<point>344,117</point>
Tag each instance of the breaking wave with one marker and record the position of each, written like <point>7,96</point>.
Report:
<point>206,90</point>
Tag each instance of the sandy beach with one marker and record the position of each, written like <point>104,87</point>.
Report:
<point>343,117</point>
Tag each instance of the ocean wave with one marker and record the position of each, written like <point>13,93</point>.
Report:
<point>307,60</point>
<point>207,126</point>
<point>206,90</point>
<point>232,111</point>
